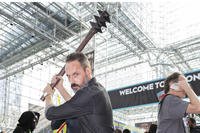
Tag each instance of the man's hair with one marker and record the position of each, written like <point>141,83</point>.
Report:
<point>173,77</point>
<point>126,131</point>
<point>152,128</point>
<point>79,57</point>
<point>26,120</point>
<point>192,120</point>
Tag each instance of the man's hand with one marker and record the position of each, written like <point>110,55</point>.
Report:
<point>183,83</point>
<point>60,87</point>
<point>48,90</point>
<point>182,78</point>
<point>60,83</point>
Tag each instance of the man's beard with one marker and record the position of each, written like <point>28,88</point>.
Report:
<point>75,87</point>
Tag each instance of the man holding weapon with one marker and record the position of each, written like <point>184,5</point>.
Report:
<point>89,110</point>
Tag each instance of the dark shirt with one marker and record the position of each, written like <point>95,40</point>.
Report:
<point>88,111</point>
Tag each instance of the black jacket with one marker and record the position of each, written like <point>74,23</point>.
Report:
<point>88,111</point>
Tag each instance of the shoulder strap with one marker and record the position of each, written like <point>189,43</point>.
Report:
<point>161,102</point>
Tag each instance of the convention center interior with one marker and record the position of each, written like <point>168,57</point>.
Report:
<point>132,47</point>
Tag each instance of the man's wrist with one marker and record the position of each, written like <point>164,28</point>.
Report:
<point>48,99</point>
<point>48,95</point>
<point>61,88</point>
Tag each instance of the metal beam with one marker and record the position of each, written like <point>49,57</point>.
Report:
<point>32,49</point>
<point>31,27</point>
<point>10,73</point>
<point>54,21</point>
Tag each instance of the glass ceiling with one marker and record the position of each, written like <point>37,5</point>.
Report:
<point>166,22</point>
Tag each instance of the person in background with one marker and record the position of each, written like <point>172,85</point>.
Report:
<point>27,122</point>
<point>126,131</point>
<point>89,110</point>
<point>118,130</point>
<point>172,109</point>
<point>152,128</point>
<point>192,125</point>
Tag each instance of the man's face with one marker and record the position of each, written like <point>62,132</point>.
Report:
<point>77,76</point>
